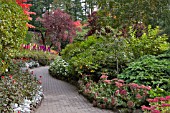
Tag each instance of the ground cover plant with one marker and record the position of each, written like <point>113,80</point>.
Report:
<point>149,70</point>
<point>17,87</point>
<point>157,105</point>
<point>114,94</point>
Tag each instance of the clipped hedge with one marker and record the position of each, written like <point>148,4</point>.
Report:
<point>43,58</point>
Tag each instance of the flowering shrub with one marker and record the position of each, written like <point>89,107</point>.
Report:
<point>113,94</point>
<point>157,105</point>
<point>16,87</point>
<point>59,68</point>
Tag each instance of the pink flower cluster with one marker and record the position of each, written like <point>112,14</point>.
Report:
<point>133,85</point>
<point>104,76</point>
<point>36,47</point>
<point>158,99</point>
<point>158,105</point>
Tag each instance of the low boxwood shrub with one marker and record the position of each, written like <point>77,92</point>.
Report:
<point>59,69</point>
<point>149,70</point>
<point>43,58</point>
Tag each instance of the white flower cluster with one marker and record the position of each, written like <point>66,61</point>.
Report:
<point>32,64</point>
<point>25,107</point>
<point>59,67</point>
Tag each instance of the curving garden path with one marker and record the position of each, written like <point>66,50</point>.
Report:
<point>62,97</point>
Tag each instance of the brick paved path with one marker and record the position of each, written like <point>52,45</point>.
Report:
<point>61,97</point>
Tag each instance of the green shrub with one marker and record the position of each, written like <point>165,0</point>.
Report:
<point>150,43</point>
<point>28,37</point>
<point>110,53</point>
<point>95,56</point>
<point>149,70</point>
<point>80,36</point>
<point>43,58</point>
<point>59,69</point>
<point>12,30</point>
<point>74,49</point>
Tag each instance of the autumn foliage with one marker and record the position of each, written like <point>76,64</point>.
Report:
<point>26,8</point>
<point>59,26</point>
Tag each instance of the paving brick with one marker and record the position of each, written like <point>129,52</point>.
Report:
<point>62,97</point>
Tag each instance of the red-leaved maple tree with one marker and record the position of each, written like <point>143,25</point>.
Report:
<point>59,26</point>
<point>26,9</point>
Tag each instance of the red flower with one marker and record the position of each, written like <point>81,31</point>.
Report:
<point>119,85</point>
<point>122,81</point>
<point>133,85</point>
<point>148,87</point>
<point>88,85</point>
<point>153,100</point>
<point>103,77</point>
<point>145,108</point>
<point>10,76</point>
<point>113,100</point>
<point>107,81</point>
<point>138,96</point>
<point>2,77</point>
<point>155,111</point>
<point>123,92</point>
<point>116,92</point>
<point>105,99</point>
<point>40,76</point>
<point>165,105</point>
<point>150,100</point>
<point>130,104</point>
<point>162,99</point>
<point>168,97</point>
<point>13,81</point>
